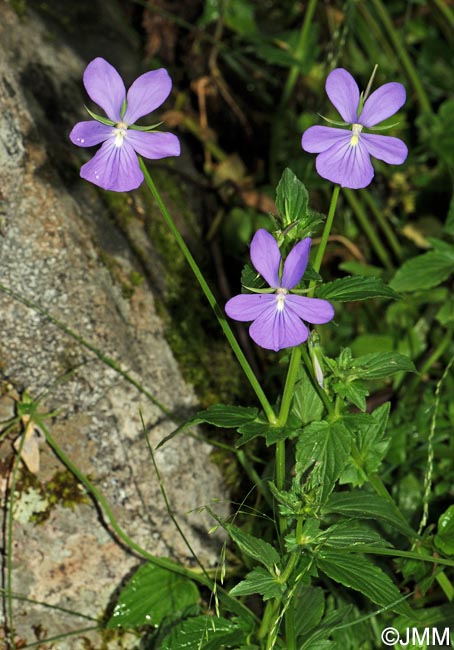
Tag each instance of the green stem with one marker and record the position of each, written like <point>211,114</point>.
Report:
<point>266,619</point>
<point>383,223</point>
<point>287,397</point>
<point>163,563</point>
<point>325,236</point>
<point>365,224</point>
<point>446,12</point>
<point>402,55</point>
<point>210,297</point>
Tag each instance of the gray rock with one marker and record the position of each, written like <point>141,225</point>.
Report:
<point>60,249</point>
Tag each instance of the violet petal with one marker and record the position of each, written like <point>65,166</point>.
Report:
<point>148,91</point>
<point>296,263</point>
<point>320,138</point>
<point>114,168</point>
<point>311,310</point>
<point>385,147</point>
<point>277,329</point>
<point>266,257</point>
<point>105,87</point>
<point>248,306</point>
<point>346,164</point>
<point>153,144</point>
<point>384,102</point>
<point>343,92</point>
<point>89,133</point>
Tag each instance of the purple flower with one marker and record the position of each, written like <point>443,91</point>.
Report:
<point>277,316</point>
<point>115,165</point>
<point>344,155</point>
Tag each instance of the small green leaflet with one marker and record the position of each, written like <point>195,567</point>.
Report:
<point>259,581</point>
<point>307,404</point>
<point>203,633</point>
<point>99,118</point>
<point>150,595</point>
<point>354,288</point>
<point>254,547</point>
<point>228,417</point>
<point>291,198</point>
<point>359,573</point>
<point>424,271</point>
<point>372,443</point>
<point>261,427</point>
<point>324,447</point>
<point>218,415</point>
<point>298,219</point>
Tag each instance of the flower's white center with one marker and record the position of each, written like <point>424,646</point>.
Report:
<point>356,128</point>
<point>280,297</point>
<point>120,132</point>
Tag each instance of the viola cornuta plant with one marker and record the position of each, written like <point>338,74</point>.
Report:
<point>306,571</point>
<point>322,433</point>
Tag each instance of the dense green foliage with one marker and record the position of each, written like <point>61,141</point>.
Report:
<point>349,528</point>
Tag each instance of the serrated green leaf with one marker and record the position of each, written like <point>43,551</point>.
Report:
<point>259,581</point>
<point>203,633</point>
<point>354,288</point>
<point>291,198</point>
<point>229,417</point>
<point>363,505</point>
<point>351,533</point>
<point>324,447</point>
<point>355,391</point>
<point>309,605</point>
<point>150,595</point>
<point>254,547</point>
<point>307,404</point>
<point>382,364</point>
<point>359,573</point>
<point>423,272</point>
<point>250,278</point>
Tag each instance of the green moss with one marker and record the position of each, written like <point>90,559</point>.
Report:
<point>128,282</point>
<point>62,489</point>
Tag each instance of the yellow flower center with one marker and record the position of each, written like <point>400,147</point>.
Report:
<point>356,128</point>
<point>120,132</point>
<point>280,297</point>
